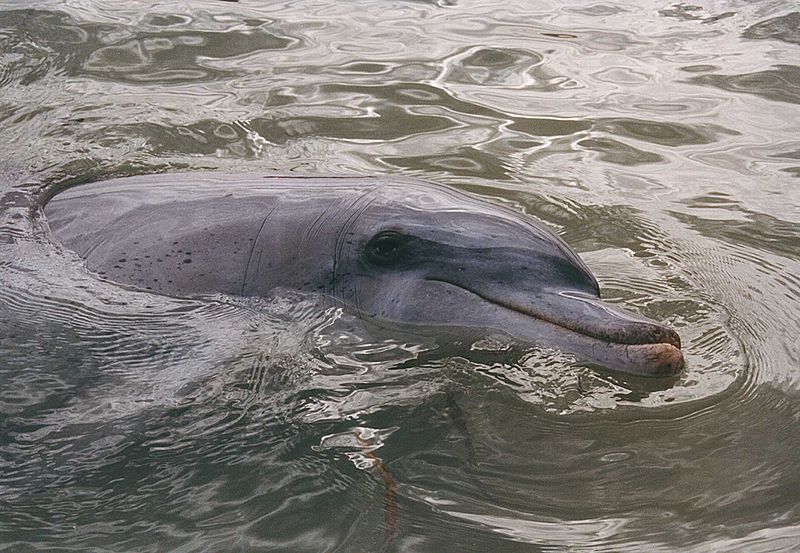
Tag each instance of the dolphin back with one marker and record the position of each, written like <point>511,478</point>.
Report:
<point>196,234</point>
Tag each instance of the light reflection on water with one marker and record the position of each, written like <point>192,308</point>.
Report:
<point>658,139</point>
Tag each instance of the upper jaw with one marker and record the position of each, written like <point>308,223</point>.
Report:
<point>598,332</point>
<point>585,314</point>
<point>607,322</point>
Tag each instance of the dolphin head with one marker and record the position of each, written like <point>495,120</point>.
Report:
<point>434,257</point>
<point>397,250</point>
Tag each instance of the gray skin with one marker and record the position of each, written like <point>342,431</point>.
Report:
<point>392,250</point>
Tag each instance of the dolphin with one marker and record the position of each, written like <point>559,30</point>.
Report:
<point>396,250</point>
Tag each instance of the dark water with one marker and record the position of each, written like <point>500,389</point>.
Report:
<point>659,139</point>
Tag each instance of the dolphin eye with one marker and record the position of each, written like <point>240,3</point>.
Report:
<point>385,247</point>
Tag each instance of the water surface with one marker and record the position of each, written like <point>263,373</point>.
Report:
<point>658,139</point>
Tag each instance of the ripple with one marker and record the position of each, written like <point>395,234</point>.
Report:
<point>784,28</point>
<point>687,12</point>
<point>463,161</point>
<point>613,151</point>
<point>31,55</point>
<point>778,84</point>
<point>134,53</point>
<point>665,134</point>
<point>510,68</point>
<point>756,230</point>
<point>177,56</point>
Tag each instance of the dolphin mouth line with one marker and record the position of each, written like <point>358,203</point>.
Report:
<point>664,335</point>
<point>651,355</point>
<point>669,337</point>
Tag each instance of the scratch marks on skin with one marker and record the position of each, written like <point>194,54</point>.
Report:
<point>344,240</point>
<point>330,218</point>
<point>253,249</point>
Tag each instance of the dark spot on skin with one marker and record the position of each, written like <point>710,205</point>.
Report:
<point>187,260</point>
<point>123,260</point>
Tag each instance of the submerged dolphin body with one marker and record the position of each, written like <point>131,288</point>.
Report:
<point>393,249</point>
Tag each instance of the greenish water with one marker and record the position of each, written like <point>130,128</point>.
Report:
<point>658,139</point>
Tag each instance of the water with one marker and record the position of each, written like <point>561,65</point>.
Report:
<point>659,139</point>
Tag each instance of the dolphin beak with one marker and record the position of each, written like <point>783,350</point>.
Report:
<point>609,336</point>
<point>597,332</point>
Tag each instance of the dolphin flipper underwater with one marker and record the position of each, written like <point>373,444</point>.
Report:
<point>390,249</point>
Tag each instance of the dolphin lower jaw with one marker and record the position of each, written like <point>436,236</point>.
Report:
<point>620,341</point>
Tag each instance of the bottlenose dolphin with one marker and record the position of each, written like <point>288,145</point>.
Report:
<point>390,249</point>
